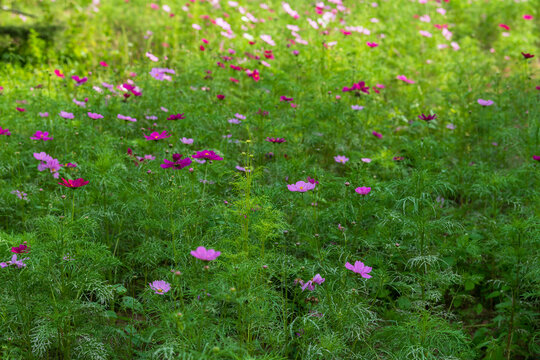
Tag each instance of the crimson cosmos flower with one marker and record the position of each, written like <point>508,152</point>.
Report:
<point>527,55</point>
<point>428,117</point>
<point>74,183</point>
<point>275,140</point>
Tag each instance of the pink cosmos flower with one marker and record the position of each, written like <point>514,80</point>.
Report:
<point>19,109</point>
<point>160,287</point>
<point>19,263</point>
<point>220,96</point>
<point>41,135</point>
<point>357,107</point>
<point>485,102</point>
<point>341,159</point>
<point>127,118</point>
<point>176,117</point>
<point>372,44</point>
<point>317,279</point>
<point>301,186</point>
<point>284,98</point>
<point>536,157</point>
<point>154,136</point>
<point>505,27</point>
<point>527,17</point>
<point>207,154</point>
<point>66,115</point>
<point>95,116</point>
<point>5,132</point>
<point>359,268</point>
<point>206,255</point>
<point>404,78</point>
<point>363,190</point>
<point>44,114</point>
<point>377,134</point>
<point>366,160</point>
<point>59,73</point>
<point>103,63</point>
<point>186,141</point>
<point>151,57</point>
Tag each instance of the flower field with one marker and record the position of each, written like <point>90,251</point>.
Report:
<point>263,179</point>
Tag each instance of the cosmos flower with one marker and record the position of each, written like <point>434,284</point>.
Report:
<point>312,181</point>
<point>220,96</point>
<point>95,116</point>
<point>207,154</point>
<point>21,249</point>
<point>363,190</point>
<point>186,141</point>
<point>176,117</point>
<point>78,80</point>
<point>5,132</point>
<point>357,107</point>
<point>59,73</point>
<point>372,44</point>
<point>360,86</point>
<point>275,140</point>
<point>379,135</point>
<point>14,261</point>
<point>127,118</point>
<point>66,115</point>
<point>154,136</point>
<point>536,157</point>
<point>485,102</point>
<point>41,135</point>
<point>301,186</point>
<point>427,117</point>
<point>341,159</point>
<point>404,78</point>
<point>366,160</point>
<point>527,55</point>
<point>206,255</point>
<point>73,183</point>
<point>359,268</point>
<point>177,163</point>
<point>160,287</point>
<point>161,74</point>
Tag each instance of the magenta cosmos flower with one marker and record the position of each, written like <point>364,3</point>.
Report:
<point>177,163</point>
<point>160,287</point>
<point>301,186</point>
<point>359,268</point>
<point>536,157</point>
<point>207,255</point>
<point>5,132</point>
<point>78,80</point>
<point>157,136</point>
<point>341,159</point>
<point>379,135</point>
<point>74,183</point>
<point>41,135</point>
<point>485,102</point>
<point>21,249</point>
<point>363,190</point>
<point>176,117</point>
<point>207,154</point>
<point>275,140</point>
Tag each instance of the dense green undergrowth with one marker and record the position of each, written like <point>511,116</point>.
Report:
<point>449,227</point>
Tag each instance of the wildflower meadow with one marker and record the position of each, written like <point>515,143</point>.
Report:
<point>264,179</point>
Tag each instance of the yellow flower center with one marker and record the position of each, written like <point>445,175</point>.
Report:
<point>301,188</point>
